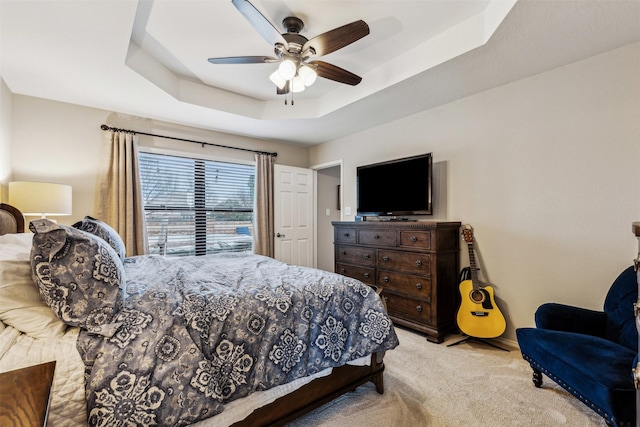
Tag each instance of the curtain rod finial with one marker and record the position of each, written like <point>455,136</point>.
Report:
<point>104,127</point>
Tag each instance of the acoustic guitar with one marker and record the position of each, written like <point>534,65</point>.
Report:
<point>479,315</point>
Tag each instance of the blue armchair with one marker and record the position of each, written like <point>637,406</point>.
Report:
<point>589,353</point>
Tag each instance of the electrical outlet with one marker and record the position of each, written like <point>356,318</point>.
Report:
<point>327,212</point>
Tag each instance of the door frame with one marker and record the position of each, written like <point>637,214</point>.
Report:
<point>315,169</point>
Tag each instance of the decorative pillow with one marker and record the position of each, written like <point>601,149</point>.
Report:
<point>105,232</point>
<point>20,303</point>
<point>78,274</point>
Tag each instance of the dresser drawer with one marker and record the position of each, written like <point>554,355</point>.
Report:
<point>407,308</point>
<point>354,255</point>
<point>377,237</point>
<point>417,286</point>
<point>411,262</point>
<point>415,239</point>
<point>364,274</point>
<point>345,235</point>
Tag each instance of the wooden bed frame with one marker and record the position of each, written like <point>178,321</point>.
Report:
<point>318,392</point>
<point>305,399</point>
<point>11,219</point>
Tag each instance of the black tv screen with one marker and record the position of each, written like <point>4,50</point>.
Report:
<point>395,188</point>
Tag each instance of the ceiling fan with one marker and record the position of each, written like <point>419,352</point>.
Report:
<point>295,52</point>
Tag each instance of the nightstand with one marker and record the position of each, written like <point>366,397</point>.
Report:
<point>25,394</point>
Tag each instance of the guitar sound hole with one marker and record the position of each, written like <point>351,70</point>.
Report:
<point>477,296</point>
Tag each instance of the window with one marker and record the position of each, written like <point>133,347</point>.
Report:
<point>195,206</point>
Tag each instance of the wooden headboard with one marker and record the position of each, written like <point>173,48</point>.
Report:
<point>11,220</point>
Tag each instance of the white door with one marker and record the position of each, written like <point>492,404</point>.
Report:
<point>293,215</point>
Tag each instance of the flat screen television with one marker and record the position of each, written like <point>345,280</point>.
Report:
<point>398,187</point>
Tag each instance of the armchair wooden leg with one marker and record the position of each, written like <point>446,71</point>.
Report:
<point>537,377</point>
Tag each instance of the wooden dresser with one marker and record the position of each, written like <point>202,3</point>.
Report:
<point>416,264</point>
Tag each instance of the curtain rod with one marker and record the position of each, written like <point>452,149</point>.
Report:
<point>105,127</point>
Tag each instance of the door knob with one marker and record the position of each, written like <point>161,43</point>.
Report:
<point>279,235</point>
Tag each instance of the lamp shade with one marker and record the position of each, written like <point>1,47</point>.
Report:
<point>277,79</point>
<point>307,74</point>
<point>40,198</point>
<point>287,69</point>
<point>297,84</point>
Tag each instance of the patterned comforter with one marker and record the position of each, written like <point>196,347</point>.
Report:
<point>198,332</point>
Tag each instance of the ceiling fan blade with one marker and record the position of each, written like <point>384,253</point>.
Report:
<point>243,60</point>
<point>337,38</point>
<point>332,72</point>
<point>260,23</point>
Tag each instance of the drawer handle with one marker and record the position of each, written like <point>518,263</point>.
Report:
<point>419,263</point>
<point>346,234</point>
<point>418,286</point>
<point>377,237</point>
<point>366,275</point>
<point>342,270</point>
<point>344,252</point>
<point>414,239</point>
<point>385,258</point>
<point>367,256</point>
<point>385,279</point>
<point>419,309</point>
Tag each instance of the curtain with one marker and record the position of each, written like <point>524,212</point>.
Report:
<point>119,200</point>
<point>263,210</point>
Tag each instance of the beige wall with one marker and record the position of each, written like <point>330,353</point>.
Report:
<point>58,142</point>
<point>6,107</point>
<point>545,169</point>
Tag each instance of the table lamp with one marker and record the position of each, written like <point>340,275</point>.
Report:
<point>40,198</point>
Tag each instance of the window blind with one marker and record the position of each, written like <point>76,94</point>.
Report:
<point>195,206</point>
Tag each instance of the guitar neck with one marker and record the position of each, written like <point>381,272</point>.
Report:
<point>472,267</point>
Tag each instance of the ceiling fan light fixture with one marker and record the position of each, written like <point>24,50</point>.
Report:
<point>307,74</point>
<point>297,84</point>
<point>277,79</point>
<point>287,69</point>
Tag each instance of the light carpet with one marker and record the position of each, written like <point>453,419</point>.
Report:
<point>470,384</point>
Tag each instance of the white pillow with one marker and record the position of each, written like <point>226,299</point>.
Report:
<point>16,247</point>
<point>20,303</point>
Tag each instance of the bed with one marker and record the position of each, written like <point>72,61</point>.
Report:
<point>225,339</point>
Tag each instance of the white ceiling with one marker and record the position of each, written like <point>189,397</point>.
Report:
<point>149,58</point>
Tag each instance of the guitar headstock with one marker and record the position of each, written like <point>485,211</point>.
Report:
<point>467,233</point>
